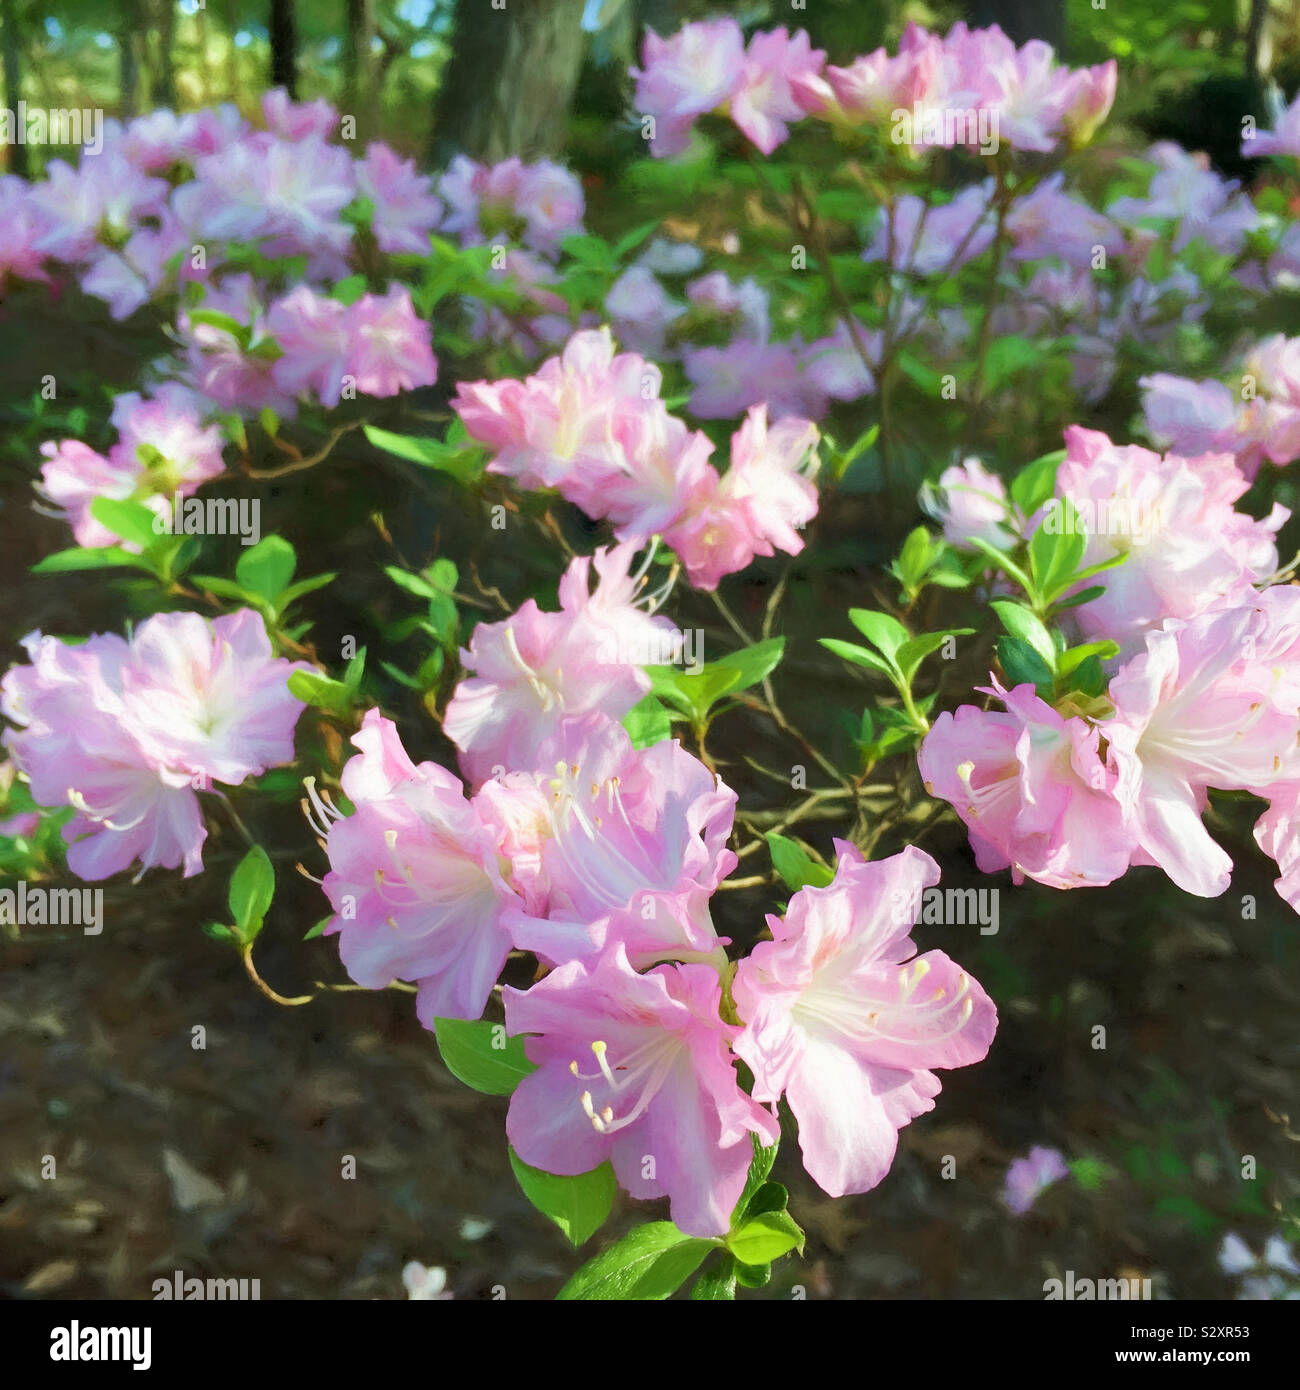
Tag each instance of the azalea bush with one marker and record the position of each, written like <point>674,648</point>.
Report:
<point>925,278</point>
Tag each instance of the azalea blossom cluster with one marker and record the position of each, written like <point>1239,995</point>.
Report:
<point>591,424</point>
<point>1259,420</point>
<point>170,197</point>
<point>1203,694</point>
<point>163,450</point>
<point>128,732</point>
<point>302,346</point>
<point>600,859</point>
<point>779,79</point>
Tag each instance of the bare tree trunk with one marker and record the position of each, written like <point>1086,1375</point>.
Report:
<point>1022,20</point>
<point>128,60</point>
<point>163,86</point>
<point>357,93</point>
<point>510,80</point>
<point>284,47</point>
<point>11,61</point>
<point>1259,40</point>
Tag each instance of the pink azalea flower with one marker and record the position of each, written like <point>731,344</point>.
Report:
<point>217,365</point>
<point>641,310</point>
<point>756,509</point>
<point>1209,703</point>
<point>1284,139</point>
<point>126,732</point>
<point>1093,95</point>
<point>416,885</point>
<point>560,420</point>
<point>684,76</point>
<point>536,668</point>
<point>765,98</point>
<point>73,475</point>
<point>767,479</point>
<point>1033,790</point>
<point>405,209</point>
<point>1049,222</point>
<point>633,848</point>
<point>727,381</point>
<point>1028,1177</point>
<point>391,346</point>
<point>928,239</point>
<point>210,698</point>
<point>656,468</point>
<point>1277,832</point>
<point>636,1069</point>
<point>1174,520</point>
<point>168,421</point>
<point>550,200</point>
<point>297,120</point>
<point>847,1021</point>
<point>971,502</point>
<point>25,228</point>
<point>314,333</point>
<point>104,193</point>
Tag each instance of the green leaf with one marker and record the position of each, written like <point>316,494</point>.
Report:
<point>753,1276</point>
<point>759,1168</point>
<point>860,656</point>
<point>796,866</point>
<point>648,723</point>
<point>1076,656</point>
<point>132,521</point>
<point>319,928</point>
<point>85,558</point>
<point>1055,550</point>
<point>578,1205</point>
<point>481,1055</point>
<point>1021,622</point>
<point>226,588</point>
<point>350,290</point>
<point>304,586</point>
<point>1023,665</point>
<point>766,1237</point>
<point>884,632</point>
<point>218,932</point>
<point>631,240</point>
<point>1003,562</point>
<point>649,1263</point>
<point>915,558</point>
<point>1036,482</point>
<point>910,655</point>
<point>772,1196</point>
<point>252,887</point>
<point>1089,678</point>
<point>1083,596</point>
<point>267,567</point>
<point>693,694</point>
<point>464,464</point>
<point>751,664</point>
<point>717,1282</point>
<point>320,692</point>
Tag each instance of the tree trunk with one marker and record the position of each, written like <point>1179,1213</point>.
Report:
<point>1022,20</point>
<point>128,67</point>
<point>507,88</point>
<point>1259,41</point>
<point>163,90</point>
<point>357,94</point>
<point>11,62</point>
<point>284,48</point>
